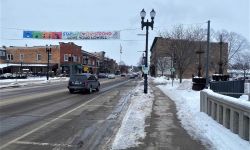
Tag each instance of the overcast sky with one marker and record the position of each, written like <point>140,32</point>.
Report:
<point>113,15</point>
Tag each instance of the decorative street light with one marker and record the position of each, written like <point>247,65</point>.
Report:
<point>147,24</point>
<point>48,50</point>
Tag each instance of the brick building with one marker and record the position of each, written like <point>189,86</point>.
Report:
<point>32,59</point>
<point>91,62</point>
<point>163,47</point>
<point>106,65</point>
<point>70,58</point>
<point>65,58</point>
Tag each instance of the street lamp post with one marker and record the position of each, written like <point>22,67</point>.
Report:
<point>48,50</point>
<point>220,63</point>
<point>147,24</point>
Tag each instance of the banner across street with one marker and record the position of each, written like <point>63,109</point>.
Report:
<point>101,35</point>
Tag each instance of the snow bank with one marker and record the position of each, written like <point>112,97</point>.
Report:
<point>160,80</point>
<point>228,98</point>
<point>133,124</point>
<point>198,124</point>
<point>244,97</point>
<point>30,80</point>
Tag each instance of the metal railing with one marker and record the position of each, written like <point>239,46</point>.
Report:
<point>229,88</point>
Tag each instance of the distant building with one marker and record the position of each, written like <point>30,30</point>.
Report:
<point>106,65</point>
<point>65,58</point>
<point>91,62</point>
<point>32,59</point>
<point>161,47</point>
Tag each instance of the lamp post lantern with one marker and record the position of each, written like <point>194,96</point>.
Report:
<point>147,24</point>
<point>48,50</point>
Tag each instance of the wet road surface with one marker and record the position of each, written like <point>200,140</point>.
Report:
<point>49,117</point>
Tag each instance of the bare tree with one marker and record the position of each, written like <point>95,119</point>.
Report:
<point>242,62</point>
<point>163,64</point>
<point>236,44</point>
<point>182,44</point>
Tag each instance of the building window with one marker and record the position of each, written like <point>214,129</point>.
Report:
<point>85,60</point>
<point>9,57</point>
<point>2,53</point>
<point>38,57</point>
<point>66,57</point>
<point>21,57</point>
<point>74,58</point>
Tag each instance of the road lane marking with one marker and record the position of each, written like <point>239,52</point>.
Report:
<point>59,117</point>
<point>100,106</point>
<point>43,144</point>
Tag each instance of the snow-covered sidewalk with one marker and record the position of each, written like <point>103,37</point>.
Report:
<point>133,124</point>
<point>198,124</point>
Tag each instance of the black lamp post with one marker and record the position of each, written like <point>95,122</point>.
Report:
<point>199,52</point>
<point>147,24</point>
<point>220,63</point>
<point>48,50</point>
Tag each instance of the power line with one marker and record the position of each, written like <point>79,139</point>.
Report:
<point>125,29</point>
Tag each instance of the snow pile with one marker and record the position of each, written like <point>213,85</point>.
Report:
<point>133,124</point>
<point>244,97</point>
<point>30,80</point>
<point>198,124</point>
<point>160,80</point>
<point>185,85</point>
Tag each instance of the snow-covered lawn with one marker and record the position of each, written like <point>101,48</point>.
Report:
<point>198,124</point>
<point>133,124</point>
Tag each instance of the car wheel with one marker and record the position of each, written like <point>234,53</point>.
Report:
<point>98,88</point>
<point>71,91</point>
<point>90,90</point>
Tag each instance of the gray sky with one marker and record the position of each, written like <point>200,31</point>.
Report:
<point>109,15</point>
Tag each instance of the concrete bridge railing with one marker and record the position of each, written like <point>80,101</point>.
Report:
<point>232,113</point>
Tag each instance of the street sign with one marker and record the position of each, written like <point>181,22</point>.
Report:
<point>145,69</point>
<point>172,69</point>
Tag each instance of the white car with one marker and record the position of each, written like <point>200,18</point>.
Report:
<point>111,76</point>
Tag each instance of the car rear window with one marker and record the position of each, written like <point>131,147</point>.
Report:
<point>78,77</point>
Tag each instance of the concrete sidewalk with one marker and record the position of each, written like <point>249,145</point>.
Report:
<point>164,131</point>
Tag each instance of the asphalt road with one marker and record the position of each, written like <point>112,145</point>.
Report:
<point>44,117</point>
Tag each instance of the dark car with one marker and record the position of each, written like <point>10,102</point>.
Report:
<point>102,75</point>
<point>83,82</point>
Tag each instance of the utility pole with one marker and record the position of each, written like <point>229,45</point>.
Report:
<point>207,59</point>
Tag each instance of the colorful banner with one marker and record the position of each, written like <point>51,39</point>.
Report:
<point>72,35</point>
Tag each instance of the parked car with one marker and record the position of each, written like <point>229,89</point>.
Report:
<point>83,82</point>
<point>102,75</point>
<point>131,76</point>
<point>123,75</point>
<point>111,76</point>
